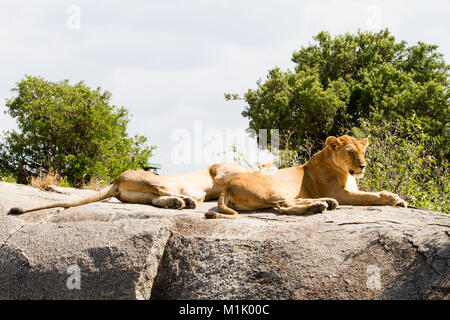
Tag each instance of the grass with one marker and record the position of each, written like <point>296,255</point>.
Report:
<point>51,178</point>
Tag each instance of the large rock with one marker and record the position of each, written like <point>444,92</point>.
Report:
<point>110,250</point>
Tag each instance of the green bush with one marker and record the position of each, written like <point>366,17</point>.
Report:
<point>71,129</point>
<point>8,177</point>
<point>401,159</point>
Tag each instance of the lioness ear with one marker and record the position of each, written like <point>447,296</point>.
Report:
<point>213,170</point>
<point>333,143</point>
<point>364,143</point>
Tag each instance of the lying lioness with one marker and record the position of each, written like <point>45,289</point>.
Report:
<point>175,191</point>
<point>325,181</point>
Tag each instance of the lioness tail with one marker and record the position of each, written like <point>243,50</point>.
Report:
<point>223,208</point>
<point>107,192</point>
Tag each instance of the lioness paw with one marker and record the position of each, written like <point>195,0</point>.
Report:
<point>401,203</point>
<point>332,203</point>
<point>175,203</point>
<point>189,203</point>
<point>392,199</point>
<point>318,207</point>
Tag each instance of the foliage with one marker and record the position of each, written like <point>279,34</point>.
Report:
<point>70,128</point>
<point>51,178</point>
<point>401,159</point>
<point>8,177</point>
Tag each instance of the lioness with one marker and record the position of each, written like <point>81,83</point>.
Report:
<point>175,191</point>
<point>326,180</point>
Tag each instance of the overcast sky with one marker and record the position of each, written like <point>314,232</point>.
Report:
<point>170,62</point>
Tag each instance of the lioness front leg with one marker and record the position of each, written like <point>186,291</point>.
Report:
<point>370,198</point>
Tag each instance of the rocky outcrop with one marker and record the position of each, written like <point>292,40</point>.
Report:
<point>110,250</point>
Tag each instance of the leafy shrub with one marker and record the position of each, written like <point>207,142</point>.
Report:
<point>401,159</point>
<point>8,177</point>
<point>70,128</point>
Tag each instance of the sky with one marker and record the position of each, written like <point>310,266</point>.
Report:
<point>170,62</point>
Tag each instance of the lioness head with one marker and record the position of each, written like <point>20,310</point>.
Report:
<point>348,154</point>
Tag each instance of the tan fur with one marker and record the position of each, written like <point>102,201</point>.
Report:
<point>176,191</point>
<point>323,182</point>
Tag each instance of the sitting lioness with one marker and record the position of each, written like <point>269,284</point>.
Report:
<point>175,191</point>
<point>326,180</point>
